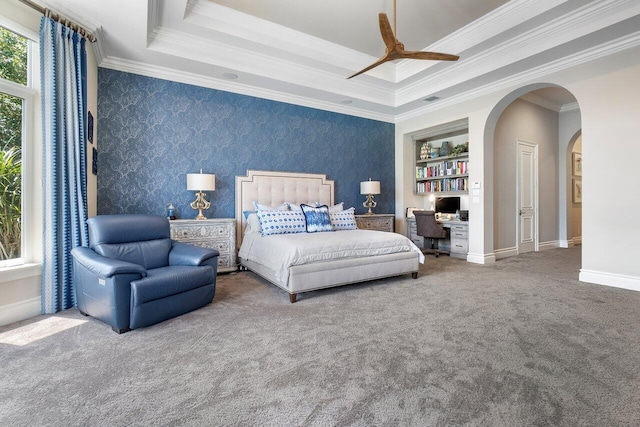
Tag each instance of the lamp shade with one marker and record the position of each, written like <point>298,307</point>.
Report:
<point>370,187</point>
<point>201,181</point>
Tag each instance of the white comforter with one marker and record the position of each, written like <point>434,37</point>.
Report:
<point>279,252</point>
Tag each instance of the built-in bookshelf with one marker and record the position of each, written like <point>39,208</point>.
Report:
<point>436,173</point>
<point>444,174</point>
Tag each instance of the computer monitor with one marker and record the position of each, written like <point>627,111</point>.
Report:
<point>447,205</point>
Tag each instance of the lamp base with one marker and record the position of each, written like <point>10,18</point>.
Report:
<point>369,203</point>
<point>199,204</point>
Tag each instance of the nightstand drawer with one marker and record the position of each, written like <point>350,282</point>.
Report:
<point>200,231</point>
<point>379,222</point>
<point>217,233</point>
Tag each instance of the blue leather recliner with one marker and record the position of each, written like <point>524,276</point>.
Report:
<point>133,275</point>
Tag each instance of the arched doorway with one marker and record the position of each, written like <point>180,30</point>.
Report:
<point>540,116</point>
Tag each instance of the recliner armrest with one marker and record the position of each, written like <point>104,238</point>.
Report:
<point>184,254</point>
<point>105,267</point>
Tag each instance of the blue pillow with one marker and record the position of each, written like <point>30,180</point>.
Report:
<point>344,220</point>
<point>281,222</point>
<point>317,218</point>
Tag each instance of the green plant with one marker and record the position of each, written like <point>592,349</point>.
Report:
<point>10,202</point>
<point>13,67</point>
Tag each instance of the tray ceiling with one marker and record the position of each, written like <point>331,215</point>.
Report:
<point>302,51</point>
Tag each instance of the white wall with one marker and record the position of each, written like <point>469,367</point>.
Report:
<point>610,126</point>
<point>607,91</point>
<point>20,287</point>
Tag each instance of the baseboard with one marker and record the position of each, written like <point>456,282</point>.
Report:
<point>19,310</point>
<point>610,279</point>
<point>565,243</point>
<point>543,246</point>
<point>481,258</point>
<point>505,252</point>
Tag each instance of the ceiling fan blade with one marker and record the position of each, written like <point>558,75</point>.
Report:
<point>433,56</point>
<point>387,33</point>
<point>375,64</point>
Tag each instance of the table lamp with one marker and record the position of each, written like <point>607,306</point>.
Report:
<point>201,182</point>
<point>369,188</point>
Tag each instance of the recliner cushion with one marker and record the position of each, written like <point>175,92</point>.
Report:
<point>149,254</point>
<point>166,281</point>
<point>125,228</point>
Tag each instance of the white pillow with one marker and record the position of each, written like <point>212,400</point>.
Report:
<point>337,207</point>
<point>260,207</point>
<point>344,220</point>
<point>253,224</point>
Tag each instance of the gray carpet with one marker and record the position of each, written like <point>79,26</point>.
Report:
<point>521,342</point>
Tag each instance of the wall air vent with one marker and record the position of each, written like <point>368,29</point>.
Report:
<point>431,98</point>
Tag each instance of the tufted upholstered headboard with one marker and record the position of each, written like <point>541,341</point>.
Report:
<point>275,188</point>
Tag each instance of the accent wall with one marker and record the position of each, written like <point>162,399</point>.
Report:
<point>153,132</point>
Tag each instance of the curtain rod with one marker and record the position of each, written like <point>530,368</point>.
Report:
<point>64,21</point>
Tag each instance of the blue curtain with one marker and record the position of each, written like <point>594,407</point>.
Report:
<point>63,65</point>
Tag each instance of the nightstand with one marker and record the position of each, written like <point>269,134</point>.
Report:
<point>380,222</point>
<point>215,233</point>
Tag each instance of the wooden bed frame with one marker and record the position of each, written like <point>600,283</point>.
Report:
<point>275,188</point>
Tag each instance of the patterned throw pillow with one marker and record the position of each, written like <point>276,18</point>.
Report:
<point>281,222</point>
<point>317,218</point>
<point>344,220</point>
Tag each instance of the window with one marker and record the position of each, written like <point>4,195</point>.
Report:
<point>17,96</point>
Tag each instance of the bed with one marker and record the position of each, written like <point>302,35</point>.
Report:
<point>305,262</point>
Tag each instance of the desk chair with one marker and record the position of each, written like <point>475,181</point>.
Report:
<point>428,227</point>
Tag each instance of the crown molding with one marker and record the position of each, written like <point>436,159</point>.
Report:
<point>153,17</point>
<point>179,44</point>
<point>91,25</point>
<point>171,74</point>
<point>612,47</point>
<point>569,107</point>
<point>490,25</point>
<point>289,42</point>
<point>570,26</point>
<point>540,101</point>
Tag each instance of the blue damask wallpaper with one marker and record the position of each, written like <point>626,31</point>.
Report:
<point>153,132</point>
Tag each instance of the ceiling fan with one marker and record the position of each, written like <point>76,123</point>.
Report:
<point>395,49</point>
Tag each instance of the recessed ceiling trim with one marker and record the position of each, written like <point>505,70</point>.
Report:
<point>490,25</point>
<point>629,41</point>
<point>247,27</point>
<point>180,44</point>
<point>561,30</point>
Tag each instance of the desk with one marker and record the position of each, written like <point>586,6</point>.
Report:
<point>456,242</point>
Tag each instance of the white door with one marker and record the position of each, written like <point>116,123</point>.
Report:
<point>527,197</point>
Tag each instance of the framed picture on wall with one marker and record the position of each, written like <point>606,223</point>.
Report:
<point>90,127</point>
<point>577,190</point>
<point>577,164</point>
<point>94,163</point>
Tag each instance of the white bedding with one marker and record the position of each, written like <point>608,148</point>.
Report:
<point>279,252</point>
